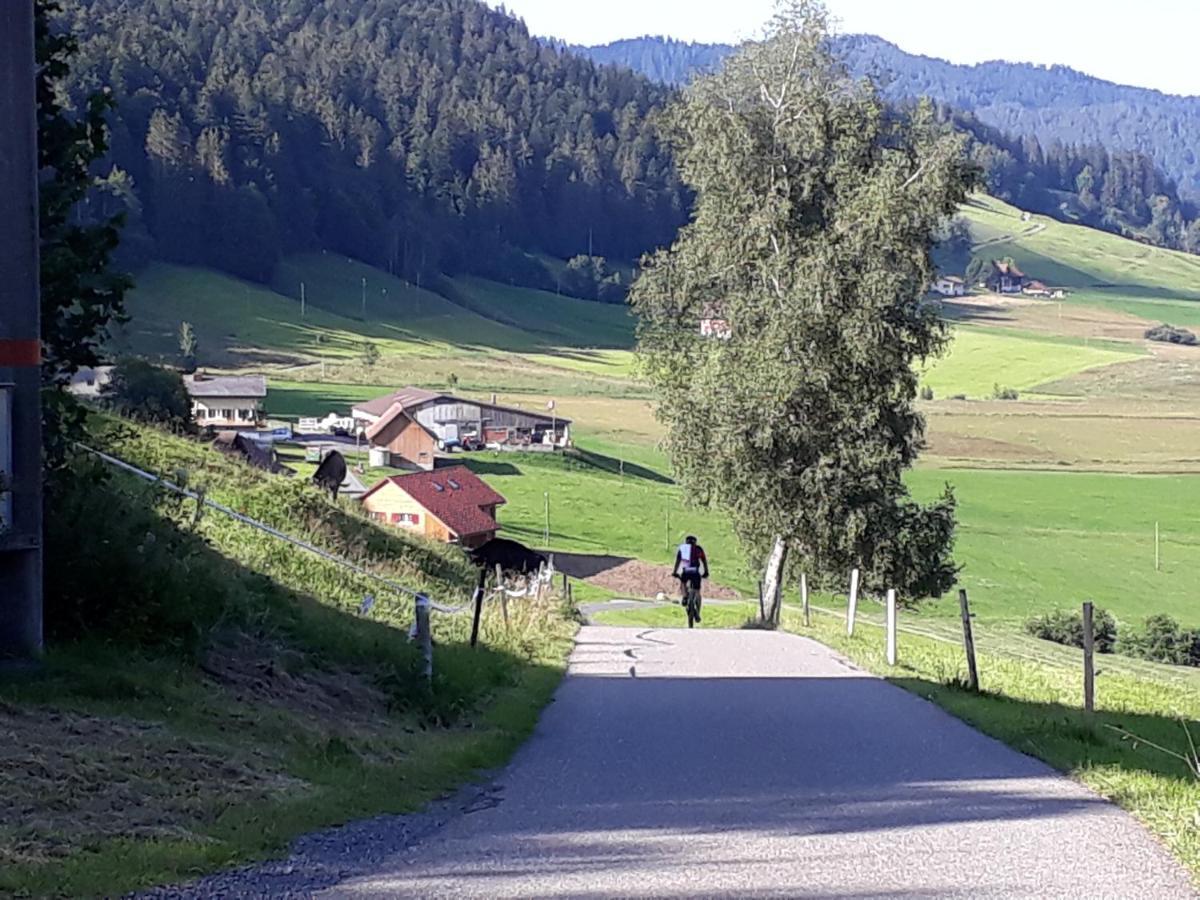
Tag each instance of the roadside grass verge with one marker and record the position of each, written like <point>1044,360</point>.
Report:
<point>210,693</point>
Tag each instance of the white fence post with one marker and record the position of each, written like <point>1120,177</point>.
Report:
<point>852,609</point>
<point>425,636</point>
<point>891,627</point>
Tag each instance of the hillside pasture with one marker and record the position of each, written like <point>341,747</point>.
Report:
<point>980,358</point>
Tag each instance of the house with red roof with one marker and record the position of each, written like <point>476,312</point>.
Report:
<point>452,505</point>
<point>1005,278</point>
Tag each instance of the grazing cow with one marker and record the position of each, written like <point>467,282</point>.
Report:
<point>331,473</point>
<point>509,555</point>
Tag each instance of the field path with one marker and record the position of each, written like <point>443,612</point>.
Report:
<point>710,763</point>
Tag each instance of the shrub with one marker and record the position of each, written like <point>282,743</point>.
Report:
<point>1067,628</point>
<point>927,393</point>
<point>1004,393</point>
<point>1162,640</point>
<point>148,393</point>
<point>1169,334</point>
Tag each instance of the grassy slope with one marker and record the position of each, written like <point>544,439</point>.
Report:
<point>1078,257</point>
<point>237,700</point>
<point>980,358</point>
<point>1035,708</point>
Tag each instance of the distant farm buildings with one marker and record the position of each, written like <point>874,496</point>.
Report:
<point>1038,289</point>
<point>950,286</point>
<point>410,426</point>
<point>451,505</point>
<point>713,323</point>
<point>227,401</point>
<point>1005,278</point>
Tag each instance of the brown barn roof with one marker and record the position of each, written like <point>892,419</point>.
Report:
<point>406,397</point>
<point>455,495</point>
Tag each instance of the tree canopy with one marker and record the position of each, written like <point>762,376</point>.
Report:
<point>422,136</point>
<point>816,212</point>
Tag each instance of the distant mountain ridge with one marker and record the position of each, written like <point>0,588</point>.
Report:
<point>1054,103</point>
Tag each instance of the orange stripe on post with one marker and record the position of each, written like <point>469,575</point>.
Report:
<point>20,354</point>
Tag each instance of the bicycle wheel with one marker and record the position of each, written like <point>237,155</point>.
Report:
<point>691,607</point>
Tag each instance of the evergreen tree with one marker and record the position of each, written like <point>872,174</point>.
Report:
<point>816,214</point>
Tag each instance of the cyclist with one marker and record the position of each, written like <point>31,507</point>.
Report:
<point>691,565</point>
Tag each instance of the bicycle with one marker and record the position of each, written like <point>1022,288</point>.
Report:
<point>691,600</point>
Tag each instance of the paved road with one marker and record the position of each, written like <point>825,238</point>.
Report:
<point>705,763</point>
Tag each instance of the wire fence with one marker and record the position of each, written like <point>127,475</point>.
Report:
<point>544,576</point>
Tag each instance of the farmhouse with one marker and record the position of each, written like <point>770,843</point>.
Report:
<point>950,286</point>
<point>88,381</point>
<point>451,505</point>
<point>713,323</point>
<point>227,401</point>
<point>412,425</point>
<point>1005,278</point>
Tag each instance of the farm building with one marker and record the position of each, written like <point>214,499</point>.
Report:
<point>451,505</point>
<point>412,425</point>
<point>1005,278</point>
<point>227,401</point>
<point>88,381</point>
<point>1038,289</point>
<point>713,323</point>
<point>950,286</point>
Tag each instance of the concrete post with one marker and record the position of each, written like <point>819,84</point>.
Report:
<point>20,350</point>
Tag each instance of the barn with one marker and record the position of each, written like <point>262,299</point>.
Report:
<point>414,424</point>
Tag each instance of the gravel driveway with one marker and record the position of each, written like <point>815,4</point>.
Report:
<point>739,764</point>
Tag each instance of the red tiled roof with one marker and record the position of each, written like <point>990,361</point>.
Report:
<point>456,496</point>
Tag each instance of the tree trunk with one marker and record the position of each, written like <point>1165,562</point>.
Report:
<point>773,579</point>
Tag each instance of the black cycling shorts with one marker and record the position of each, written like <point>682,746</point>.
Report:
<point>691,578</point>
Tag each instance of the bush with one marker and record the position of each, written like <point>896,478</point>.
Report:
<point>1004,393</point>
<point>591,278</point>
<point>1169,334</point>
<point>148,393</point>
<point>927,393</point>
<point>1067,628</point>
<point>1162,640</point>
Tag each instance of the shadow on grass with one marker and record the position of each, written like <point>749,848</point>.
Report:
<point>326,708</point>
<point>615,466</point>
<point>1063,736</point>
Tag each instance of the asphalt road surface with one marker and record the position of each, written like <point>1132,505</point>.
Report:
<point>752,764</point>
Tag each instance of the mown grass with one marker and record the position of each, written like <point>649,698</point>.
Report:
<point>199,648</point>
<point>1035,708</point>
<point>981,358</point>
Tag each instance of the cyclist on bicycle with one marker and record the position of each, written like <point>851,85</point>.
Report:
<point>691,565</point>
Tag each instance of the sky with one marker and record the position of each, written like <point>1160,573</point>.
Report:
<point>1150,43</point>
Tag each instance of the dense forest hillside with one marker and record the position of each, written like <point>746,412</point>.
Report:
<point>423,136</point>
<point>1051,140</point>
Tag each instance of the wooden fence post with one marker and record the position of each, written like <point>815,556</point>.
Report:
<point>762,607</point>
<point>1089,662</point>
<point>969,642</point>
<point>777,610</point>
<point>503,594</point>
<point>852,609</point>
<point>425,636</point>
<point>478,606</point>
<point>804,599</point>
<point>891,627</point>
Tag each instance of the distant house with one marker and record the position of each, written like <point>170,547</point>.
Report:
<point>1035,289</point>
<point>452,505</point>
<point>412,424</point>
<point>87,382</point>
<point>227,401</point>
<point>950,286</point>
<point>713,323</point>
<point>1005,278</point>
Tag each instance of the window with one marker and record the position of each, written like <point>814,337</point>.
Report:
<point>406,519</point>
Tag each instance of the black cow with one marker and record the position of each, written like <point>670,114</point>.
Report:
<point>331,473</point>
<point>509,555</point>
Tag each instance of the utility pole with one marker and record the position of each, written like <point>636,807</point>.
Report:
<point>302,299</point>
<point>364,298</point>
<point>20,346</point>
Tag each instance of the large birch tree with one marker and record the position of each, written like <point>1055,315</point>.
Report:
<point>816,212</point>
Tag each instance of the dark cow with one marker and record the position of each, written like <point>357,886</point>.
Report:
<point>509,555</point>
<point>331,473</point>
